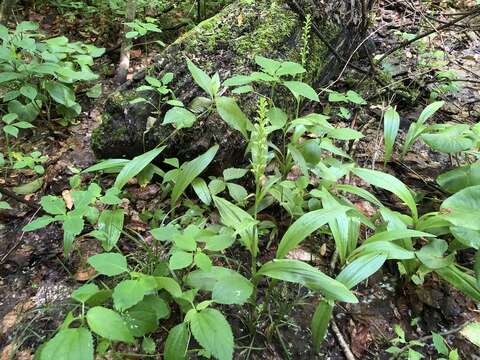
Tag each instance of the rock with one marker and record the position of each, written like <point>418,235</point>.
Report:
<point>226,43</point>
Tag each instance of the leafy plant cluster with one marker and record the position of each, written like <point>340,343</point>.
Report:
<point>188,267</point>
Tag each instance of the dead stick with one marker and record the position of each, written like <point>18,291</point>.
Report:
<point>14,196</point>
<point>343,344</point>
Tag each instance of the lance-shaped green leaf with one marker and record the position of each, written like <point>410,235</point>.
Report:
<point>388,248</point>
<point>391,124</point>
<point>110,222</point>
<point>460,280</point>
<point>305,226</point>
<point>231,113</point>
<point>360,269</point>
<point>321,319</point>
<point>301,273</point>
<point>390,183</point>
<point>135,166</point>
<point>200,77</point>
<point>177,341</point>
<point>392,235</point>
<point>189,171</point>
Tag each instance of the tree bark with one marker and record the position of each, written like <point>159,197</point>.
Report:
<point>6,11</point>
<point>228,44</point>
<point>124,63</point>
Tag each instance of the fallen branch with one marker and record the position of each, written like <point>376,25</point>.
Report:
<point>343,344</point>
<point>20,199</point>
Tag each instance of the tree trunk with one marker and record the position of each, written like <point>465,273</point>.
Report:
<point>6,11</point>
<point>228,44</point>
<point>124,63</point>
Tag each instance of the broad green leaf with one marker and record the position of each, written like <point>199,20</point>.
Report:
<point>95,91</point>
<point>269,65</point>
<point>177,341</point>
<point>390,183</point>
<point>110,222</point>
<point>460,178</point>
<point>450,140</point>
<point>237,192</point>
<point>109,264</point>
<point>463,208</point>
<point>344,134</point>
<point>9,76</point>
<point>231,113</point>
<point>169,284</point>
<point>439,344</point>
<point>200,77</point>
<point>61,93</point>
<point>460,280</point>
<point>290,68</point>
<point>202,261</point>
<point>227,286</point>
<point>472,333</point>
<point>234,173</point>
<point>181,117</point>
<point>431,255</point>
<point>219,242</point>
<point>321,319</point>
<point>301,273</point>
<point>39,223</point>
<point>361,269</point>
<point>85,292</point>
<point>301,89</point>
<point>134,166</point>
<point>238,80</point>
<point>355,98</point>
<point>69,344</point>
<point>213,333</point>
<point>108,324</point>
<point>201,189</point>
<point>128,293</point>
<point>143,318</point>
<point>305,226</point>
<point>391,124</point>
<point>180,260</point>
<point>29,92</point>
<point>189,171</point>
<point>53,205</point>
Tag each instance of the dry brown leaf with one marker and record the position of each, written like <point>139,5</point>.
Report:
<point>67,197</point>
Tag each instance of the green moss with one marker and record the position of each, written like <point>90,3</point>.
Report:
<point>274,24</point>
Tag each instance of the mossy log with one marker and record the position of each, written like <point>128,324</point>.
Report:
<point>228,43</point>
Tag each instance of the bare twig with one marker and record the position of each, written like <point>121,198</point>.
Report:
<point>20,199</point>
<point>343,344</point>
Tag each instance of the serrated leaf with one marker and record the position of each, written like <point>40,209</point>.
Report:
<point>177,341</point>
<point>213,332</point>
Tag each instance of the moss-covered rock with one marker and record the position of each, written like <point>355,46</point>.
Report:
<point>227,43</point>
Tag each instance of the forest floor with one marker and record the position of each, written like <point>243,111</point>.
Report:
<point>36,280</point>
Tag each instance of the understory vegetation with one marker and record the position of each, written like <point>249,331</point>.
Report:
<point>325,203</point>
